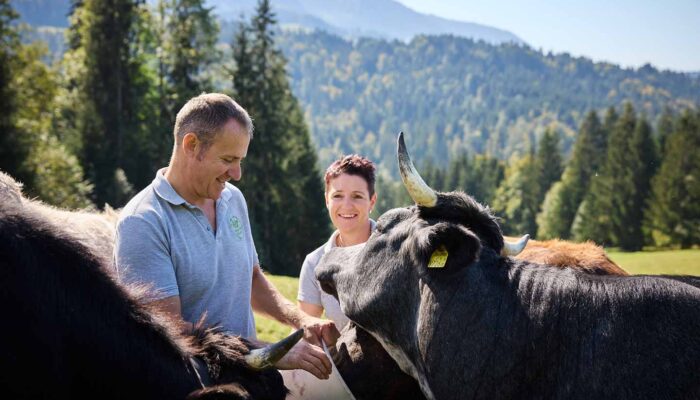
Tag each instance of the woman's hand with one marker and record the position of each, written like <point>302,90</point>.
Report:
<point>317,329</point>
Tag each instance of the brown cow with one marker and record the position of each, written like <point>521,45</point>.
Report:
<point>586,256</point>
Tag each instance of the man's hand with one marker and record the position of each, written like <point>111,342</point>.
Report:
<point>307,357</point>
<point>316,329</point>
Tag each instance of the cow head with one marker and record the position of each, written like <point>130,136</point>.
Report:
<point>439,236</point>
<point>417,256</point>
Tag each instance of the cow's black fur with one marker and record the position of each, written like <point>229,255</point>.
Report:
<point>70,331</point>
<point>362,362</point>
<point>490,327</point>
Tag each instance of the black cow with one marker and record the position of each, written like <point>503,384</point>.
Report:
<point>360,358</point>
<point>71,331</point>
<point>466,322</point>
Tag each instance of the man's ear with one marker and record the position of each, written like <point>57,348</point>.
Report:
<point>190,144</point>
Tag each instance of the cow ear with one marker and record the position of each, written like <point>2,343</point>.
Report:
<point>450,247</point>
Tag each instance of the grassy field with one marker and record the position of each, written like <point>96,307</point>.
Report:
<point>676,262</point>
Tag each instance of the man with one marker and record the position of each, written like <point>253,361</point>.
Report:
<point>188,236</point>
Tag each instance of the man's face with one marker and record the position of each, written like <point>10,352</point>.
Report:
<point>214,166</point>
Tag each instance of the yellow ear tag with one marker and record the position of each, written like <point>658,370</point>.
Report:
<point>439,257</point>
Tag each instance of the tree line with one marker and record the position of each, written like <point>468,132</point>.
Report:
<point>625,185</point>
<point>93,128</point>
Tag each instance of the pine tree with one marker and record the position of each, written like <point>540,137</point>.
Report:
<point>592,220</point>
<point>109,86</point>
<point>629,155</point>
<point>644,150</point>
<point>13,147</point>
<point>484,178</point>
<point>674,208</point>
<point>433,175</point>
<point>457,172</point>
<point>619,197</point>
<point>189,47</point>
<point>549,162</point>
<point>664,128</point>
<point>55,175</point>
<point>516,198</point>
<point>282,183</point>
<point>562,201</point>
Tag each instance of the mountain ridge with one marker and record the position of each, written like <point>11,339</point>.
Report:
<point>385,19</point>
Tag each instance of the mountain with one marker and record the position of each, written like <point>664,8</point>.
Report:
<point>452,94</point>
<point>386,19</point>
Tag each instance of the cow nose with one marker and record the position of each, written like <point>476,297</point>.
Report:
<point>325,278</point>
<point>329,287</point>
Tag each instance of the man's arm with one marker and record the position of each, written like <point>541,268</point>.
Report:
<point>172,307</point>
<point>141,257</point>
<point>267,300</point>
<point>310,308</point>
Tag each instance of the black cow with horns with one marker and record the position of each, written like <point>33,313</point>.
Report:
<point>70,331</point>
<point>432,286</point>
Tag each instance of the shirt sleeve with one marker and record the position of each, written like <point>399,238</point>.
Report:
<point>309,288</point>
<point>142,256</point>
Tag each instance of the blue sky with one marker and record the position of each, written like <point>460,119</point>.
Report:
<point>665,33</point>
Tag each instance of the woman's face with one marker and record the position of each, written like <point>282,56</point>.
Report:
<point>349,203</point>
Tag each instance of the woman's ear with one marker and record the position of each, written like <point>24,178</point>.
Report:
<point>372,201</point>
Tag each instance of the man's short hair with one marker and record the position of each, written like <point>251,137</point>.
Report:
<point>352,165</point>
<point>206,114</point>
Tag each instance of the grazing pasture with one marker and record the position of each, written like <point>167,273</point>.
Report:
<point>675,262</point>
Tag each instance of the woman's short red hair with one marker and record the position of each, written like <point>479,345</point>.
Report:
<point>352,164</point>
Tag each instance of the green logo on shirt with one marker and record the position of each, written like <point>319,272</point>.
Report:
<point>237,226</point>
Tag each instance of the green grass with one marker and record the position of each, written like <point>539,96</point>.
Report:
<point>676,262</point>
<point>270,330</point>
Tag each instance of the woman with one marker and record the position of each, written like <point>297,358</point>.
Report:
<point>350,198</point>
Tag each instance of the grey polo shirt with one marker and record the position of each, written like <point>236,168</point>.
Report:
<point>168,244</point>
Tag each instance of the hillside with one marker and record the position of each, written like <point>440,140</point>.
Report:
<point>452,94</point>
<point>386,19</point>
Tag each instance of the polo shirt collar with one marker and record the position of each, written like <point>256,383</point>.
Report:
<point>166,191</point>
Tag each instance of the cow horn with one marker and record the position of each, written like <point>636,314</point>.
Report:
<point>269,355</point>
<point>514,248</point>
<point>419,191</point>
